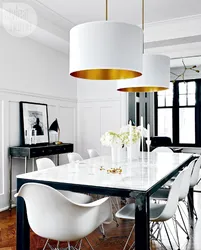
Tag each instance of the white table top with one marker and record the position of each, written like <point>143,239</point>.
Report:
<point>137,175</point>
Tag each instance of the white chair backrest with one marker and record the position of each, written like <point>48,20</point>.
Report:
<point>195,174</point>
<point>173,198</point>
<point>44,163</point>
<point>74,157</point>
<point>185,184</point>
<point>162,149</point>
<point>92,153</point>
<point>51,215</point>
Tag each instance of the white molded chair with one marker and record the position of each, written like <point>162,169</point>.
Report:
<point>162,194</point>
<point>195,179</point>
<point>92,153</point>
<point>53,216</point>
<point>72,157</point>
<point>158,212</point>
<point>45,163</point>
<point>195,174</point>
<point>162,149</point>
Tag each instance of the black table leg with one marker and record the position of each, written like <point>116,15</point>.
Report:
<point>142,223</point>
<point>191,203</point>
<point>23,229</point>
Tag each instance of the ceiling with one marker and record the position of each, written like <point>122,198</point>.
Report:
<point>173,27</point>
<point>80,11</point>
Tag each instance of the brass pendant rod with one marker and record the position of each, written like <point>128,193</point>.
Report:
<point>106,10</point>
<point>143,22</point>
<point>143,15</point>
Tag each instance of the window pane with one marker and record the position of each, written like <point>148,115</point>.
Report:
<point>161,93</point>
<point>170,90</point>
<point>191,99</point>
<point>187,125</point>
<point>165,122</point>
<point>161,101</point>
<point>191,87</point>
<point>182,87</point>
<point>182,100</point>
<point>168,100</point>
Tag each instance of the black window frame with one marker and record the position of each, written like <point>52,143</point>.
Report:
<point>175,113</point>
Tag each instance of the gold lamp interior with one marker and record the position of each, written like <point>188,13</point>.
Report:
<point>105,74</point>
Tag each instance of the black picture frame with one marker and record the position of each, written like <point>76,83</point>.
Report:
<point>34,116</point>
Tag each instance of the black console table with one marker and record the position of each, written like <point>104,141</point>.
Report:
<point>32,152</point>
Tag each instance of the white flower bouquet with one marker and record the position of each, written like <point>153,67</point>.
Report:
<point>111,139</point>
<point>125,135</point>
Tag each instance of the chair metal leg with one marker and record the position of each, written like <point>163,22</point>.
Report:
<point>115,219</point>
<point>69,248</point>
<point>184,224</point>
<point>132,246</point>
<point>176,230</point>
<point>80,245</point>
<point>89,243</point>
<point>58,244</point>
<point>46,244</point>
<point>102,230</point>
<point>117,203</point>
<point>129,237</point>
<point>159,241</point>
<point>168,236</point>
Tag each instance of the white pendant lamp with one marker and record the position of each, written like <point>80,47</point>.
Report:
<point>156,73</point>
<point>156,76</point>
<point>106,50</point>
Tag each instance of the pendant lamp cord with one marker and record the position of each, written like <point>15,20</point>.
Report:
<point>143,22</point>
<point>106,10</point>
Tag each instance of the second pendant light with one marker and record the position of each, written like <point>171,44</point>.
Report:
<point>156,73</point>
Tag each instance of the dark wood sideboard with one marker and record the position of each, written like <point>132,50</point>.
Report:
<point>32,152</point>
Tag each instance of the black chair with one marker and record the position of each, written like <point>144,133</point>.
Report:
<point>160,141</point>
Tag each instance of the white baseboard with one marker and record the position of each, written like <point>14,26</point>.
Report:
<point>6,208</point>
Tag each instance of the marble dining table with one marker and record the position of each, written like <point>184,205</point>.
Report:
<point>138,179</point>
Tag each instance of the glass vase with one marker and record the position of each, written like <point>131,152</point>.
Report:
<point>133,151</point>
<point>116,154</point>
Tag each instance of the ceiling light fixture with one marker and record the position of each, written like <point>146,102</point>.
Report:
<point>156,73</point>
<point>106,50</point>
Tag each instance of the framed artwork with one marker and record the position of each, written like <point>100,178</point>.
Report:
<point>34,122</point>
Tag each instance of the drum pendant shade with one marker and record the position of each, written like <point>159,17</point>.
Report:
<point>155,77</point>
<point>106,50</point>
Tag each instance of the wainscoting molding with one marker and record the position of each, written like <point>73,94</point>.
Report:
<point>95,117</point>
<point>64,109</point>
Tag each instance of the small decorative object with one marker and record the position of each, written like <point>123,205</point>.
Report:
<point>113,140</point>
<point>55,127</point>
<point>34,116</point>
<point>114,170</point>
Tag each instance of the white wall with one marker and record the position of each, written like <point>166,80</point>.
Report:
<point>28,66</point>
<point>100,108</point>
<point>31,72</point>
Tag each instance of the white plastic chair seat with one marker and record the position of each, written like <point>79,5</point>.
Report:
<point>53,216</point>
<point>73,157</point>
<point>77,197</point>
<point>46,163</point>
<point>158,212</point>
<point>163,193</point>
<point>92,153</point>
<point>128,212</point>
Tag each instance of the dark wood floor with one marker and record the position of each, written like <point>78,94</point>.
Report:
<point>116,236</point>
